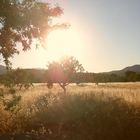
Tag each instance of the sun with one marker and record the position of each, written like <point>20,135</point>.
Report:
<point>63,43</point>
<point>59,43</point>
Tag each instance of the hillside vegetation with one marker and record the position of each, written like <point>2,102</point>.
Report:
<point>128,74</point>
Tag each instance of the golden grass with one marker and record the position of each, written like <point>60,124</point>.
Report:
<point>128,91</point>
<point>44,111</point>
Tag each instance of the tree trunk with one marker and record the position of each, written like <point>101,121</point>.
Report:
<point>64,88</point>
<point>63,85</point>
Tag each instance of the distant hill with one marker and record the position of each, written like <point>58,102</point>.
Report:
<point>35,71</point>
<point>134,68</point>
<point>2,69</point>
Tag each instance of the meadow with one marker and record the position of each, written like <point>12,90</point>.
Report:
<point>108,111</point>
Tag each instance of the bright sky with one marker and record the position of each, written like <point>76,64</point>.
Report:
<point>104,36</point>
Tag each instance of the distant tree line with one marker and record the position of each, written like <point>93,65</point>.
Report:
<point>40,76</point>
<point>132,76</point>
<point>128,76</point>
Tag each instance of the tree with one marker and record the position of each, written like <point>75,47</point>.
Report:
<point>61,72</point>
<point>130,76</point>
<point>24,21</point>
<point>17,78</point>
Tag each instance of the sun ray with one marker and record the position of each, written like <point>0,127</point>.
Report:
<point>63,42</point>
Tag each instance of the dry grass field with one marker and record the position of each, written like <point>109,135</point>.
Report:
<point>109,111</point>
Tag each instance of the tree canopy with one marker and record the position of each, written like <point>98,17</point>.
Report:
<point>61,72</point>
<point>23,21</point>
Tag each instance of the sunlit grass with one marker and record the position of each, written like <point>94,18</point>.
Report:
<point>87,111</point>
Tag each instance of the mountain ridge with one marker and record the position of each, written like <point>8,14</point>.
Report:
<point>134,68</point>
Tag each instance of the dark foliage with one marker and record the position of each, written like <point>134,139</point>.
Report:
<point>22,21</point>
<point>16,78</point>
<point>76,117</point>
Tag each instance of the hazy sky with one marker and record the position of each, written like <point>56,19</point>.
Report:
<point>107,31</point>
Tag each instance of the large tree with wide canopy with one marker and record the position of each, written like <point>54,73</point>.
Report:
<point>25,22</point>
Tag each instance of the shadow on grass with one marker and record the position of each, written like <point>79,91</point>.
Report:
<point>80,117</point>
